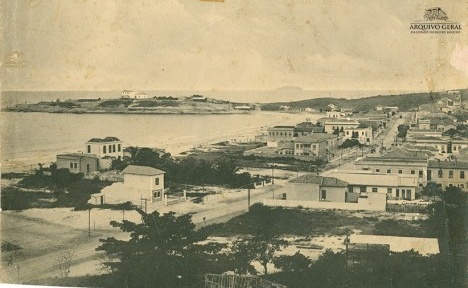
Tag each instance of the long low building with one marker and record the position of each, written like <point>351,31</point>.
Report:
<point>394,186</point>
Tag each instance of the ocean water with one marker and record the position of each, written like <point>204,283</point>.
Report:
<point>31,138</point>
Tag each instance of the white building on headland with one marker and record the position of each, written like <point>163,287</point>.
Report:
<point>127,94</point>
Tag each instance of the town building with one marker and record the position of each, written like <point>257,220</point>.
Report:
<point>279,134</point>
<point>108,146</point>
<point>316,144</point>
<point>77,162</point>
<point>127,94</point>
<point>144,182</point>
<point>397,162</point>
<point>141,95</point>
<point>316,188</point>
<point>106,149</point>
<point>333,114</point>
<point>325,192</point>
<point>367,183</point>
<point>448,173</point>
<point>364,135</point>
<point>339,124</point>
<point>198,98</point>
<point>444,144</point>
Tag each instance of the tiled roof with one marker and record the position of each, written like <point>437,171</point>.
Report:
<point>315,137</point>
<point>107,139</point>
<point>448,164</point>
<point>320,180</point>
<point>142,170</point>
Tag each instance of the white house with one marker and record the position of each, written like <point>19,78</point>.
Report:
<point>145,182</point>
<point>105,149</point>
<point>340,124</point>
<point>333,114</point>
<point>127,94</point>
<point>141,95</point>
<point>364,135</point>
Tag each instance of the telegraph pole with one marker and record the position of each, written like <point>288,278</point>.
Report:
<point>89,221</point>
<point>248,199</point>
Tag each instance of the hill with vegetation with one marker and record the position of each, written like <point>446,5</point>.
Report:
<point>403,101</point>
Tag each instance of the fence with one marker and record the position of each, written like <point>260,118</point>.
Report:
<point>407,208</point>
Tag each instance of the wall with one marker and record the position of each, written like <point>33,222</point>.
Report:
<point>93,165</point>
<point>97,149</point>
<point>381,167</point>
<point>445,180</point>
<point>144,185</point>
<point>301,192</point>
<point>335,194</point>
<point>376,202</point>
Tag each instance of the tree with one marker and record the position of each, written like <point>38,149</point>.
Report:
<point>432,189</point>
<point>256,249</point>
<point>64,261</point>
<point>163,249</point>
<point>262,245</point>
<point>295,263</point>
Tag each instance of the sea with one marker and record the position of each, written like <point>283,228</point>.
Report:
<point>31,138</point>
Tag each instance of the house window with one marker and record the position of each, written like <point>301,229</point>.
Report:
<point>429,175</point>
<point>323,195</point>
<point>89,148</point>
<point>400,171</point>
<point>156,181</point>
<point>420,172</point>
<point>113,148</point>
<point>462,174</point>
<point>119,147</point>
<point>104,149</point>
<point>362,189</point>
<point>110,148</point>
<point>377,170</point>
<point>450,174</point>
<point>397,193</point>
<point>441,173</point>
<point>157,194</point>
<point>374,189</point>
<point>389,170</point>
<point>389,190</point>
<point>71,165</point>
<point>462,186</point>
<point>413,172</point>
<point>75,165</point>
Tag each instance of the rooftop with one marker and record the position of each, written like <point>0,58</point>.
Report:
<point>448,164</point>
<point>315,137</point>
<point>107,139</point>
<point>142,170</point>
<point>320,180</point>
<point>376,179</point>
<point>76,155</point>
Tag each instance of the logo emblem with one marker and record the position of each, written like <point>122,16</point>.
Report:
<point>435,21</point>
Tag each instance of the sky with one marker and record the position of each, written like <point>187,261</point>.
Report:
<point>231,45</point>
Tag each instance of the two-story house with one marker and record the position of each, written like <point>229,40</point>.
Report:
<point>316,144</point>
<point>106,149</point>
<point>448,173</point>
<point>145,182</point>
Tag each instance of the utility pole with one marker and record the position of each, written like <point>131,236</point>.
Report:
<point>89,221</point>
<point>248,199</point>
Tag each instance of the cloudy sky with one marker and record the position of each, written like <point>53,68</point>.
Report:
<point>235,45</point>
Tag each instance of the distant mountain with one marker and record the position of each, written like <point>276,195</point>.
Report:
<point>403,101</point>
<point>290,88</point>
